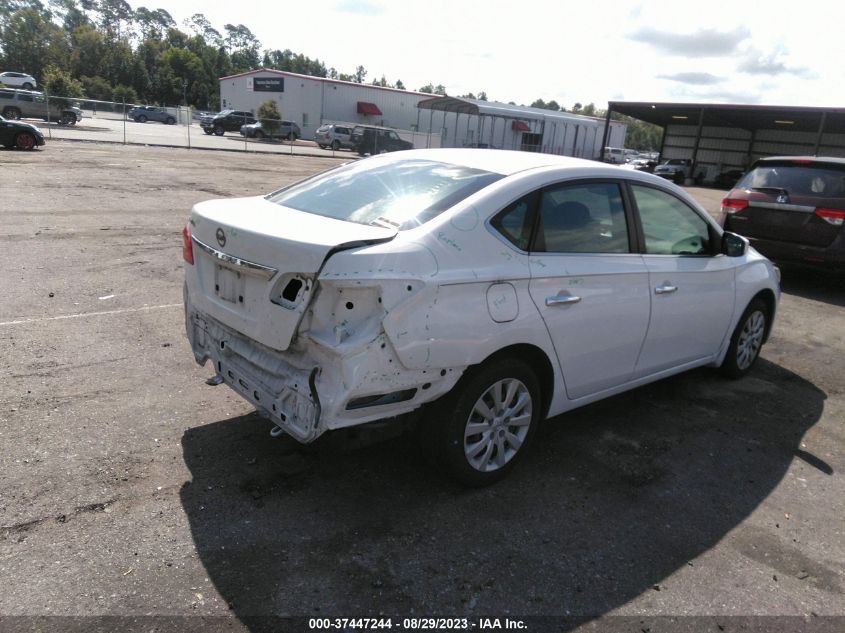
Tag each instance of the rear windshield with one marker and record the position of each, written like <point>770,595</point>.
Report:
<point>797,179</point>
<point>398,194</point>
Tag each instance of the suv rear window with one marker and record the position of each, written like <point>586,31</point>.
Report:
<point>795,178</point>
<point>401,194</point>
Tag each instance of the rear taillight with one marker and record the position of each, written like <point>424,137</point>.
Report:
<point>187,246</point>
<point>836,217</point>
<point>732,205</point>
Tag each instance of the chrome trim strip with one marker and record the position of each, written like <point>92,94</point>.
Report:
<point>258,270</point>
<point>781,207</point>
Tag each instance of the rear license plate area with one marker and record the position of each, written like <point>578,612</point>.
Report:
<point>229,285</point>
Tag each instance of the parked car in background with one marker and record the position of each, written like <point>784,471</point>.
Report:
<point>226,121</point>
<point>615,155</point>
<point>370,139</point>
<point>334,135</point>
<point>792,209</point>
<point>287,130</point>
<point>643,164</point>
<point>18,80</point>
<point>20,135</point>
<point>728,179</point>
<point>142,114</point>
<point>496,287</point>
<point>675,169</point>
<point>28,104</point>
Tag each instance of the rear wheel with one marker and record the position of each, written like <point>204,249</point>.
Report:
<point>219,131</point>
<point>141,119</point>
<point>170,121</point>
<point>482,428</point>
<point>27,86</point>
<point>25,140</point>
<point>11,113</point>
<point>335,145</point>
<point>259,134</point>
<point>747,339</point>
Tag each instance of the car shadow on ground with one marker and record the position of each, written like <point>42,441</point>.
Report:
<point>813,283</point>
<point>614,498</point>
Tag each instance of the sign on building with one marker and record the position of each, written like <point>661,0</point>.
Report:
<point>265,84</point>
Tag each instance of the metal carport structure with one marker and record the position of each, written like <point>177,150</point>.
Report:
<point>522,127</point>
<point>723,136</point>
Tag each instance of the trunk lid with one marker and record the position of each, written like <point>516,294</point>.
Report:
<point>256,263</point>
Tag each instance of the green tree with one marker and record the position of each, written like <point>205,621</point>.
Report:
<point>269,116</point>
<point>96,88</point>
<point>61,87</point>
<point>26,39</point>
<point>125,94</point>
<point>360,73</point>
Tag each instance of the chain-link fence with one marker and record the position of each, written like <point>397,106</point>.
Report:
<point>182,126</point>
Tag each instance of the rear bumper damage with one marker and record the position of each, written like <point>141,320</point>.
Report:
<point>312,387</point>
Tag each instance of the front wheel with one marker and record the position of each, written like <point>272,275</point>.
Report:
<point>11,113</point>
<point>170,121</point>
<point>747,340</point>
<point>25,140</point>
<point>482,428</point>
<point>141,119</point>
<point>335,145</point>
<point>208,131</point>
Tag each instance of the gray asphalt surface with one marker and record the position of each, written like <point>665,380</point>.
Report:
<point>129,488</point>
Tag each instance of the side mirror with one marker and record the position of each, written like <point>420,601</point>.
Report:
<point>734,245</point>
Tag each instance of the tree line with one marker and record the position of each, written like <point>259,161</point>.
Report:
<point>105,50</point>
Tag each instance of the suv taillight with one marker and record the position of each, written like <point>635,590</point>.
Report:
<point>732,205</point>
<point>836,217</point>
<point>187,245</point>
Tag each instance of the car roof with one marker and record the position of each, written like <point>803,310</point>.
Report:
<point>802,159</point>
<point>505,162</point>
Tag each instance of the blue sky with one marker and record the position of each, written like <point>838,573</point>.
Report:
<point>723,52</point>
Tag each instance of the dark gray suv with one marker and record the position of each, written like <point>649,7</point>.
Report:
<point>142,114</point>
<point>792,208</point>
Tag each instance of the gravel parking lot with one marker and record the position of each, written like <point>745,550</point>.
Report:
<point>131,489</point>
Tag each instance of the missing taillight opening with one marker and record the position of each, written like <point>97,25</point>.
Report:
<point>187,245</point>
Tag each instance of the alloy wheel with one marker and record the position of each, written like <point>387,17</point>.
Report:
<point>497,425</point>
<point>750,339</point>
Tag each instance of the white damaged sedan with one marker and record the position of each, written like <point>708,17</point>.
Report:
<point>504,287</point>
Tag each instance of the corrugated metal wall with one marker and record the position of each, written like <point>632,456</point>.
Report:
<point>723,148</point>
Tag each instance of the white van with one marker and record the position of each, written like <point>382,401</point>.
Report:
<point>614,155</point>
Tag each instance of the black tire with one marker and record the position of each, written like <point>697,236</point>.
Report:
<point>679,178</point>
<point>219,131</point>
<point>25,140</point>
<point>483,458</point>
<point>27,86</point>
<point>11,113</point>
<point>170,121</point>
<point>259,135</point>
<point>322,146</point>
<point>141,119</point>
<point>747,340</point>
<point>208,131</point>
<point>335,145</point>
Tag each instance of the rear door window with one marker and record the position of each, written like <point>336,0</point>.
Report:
<point>582,218</point>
